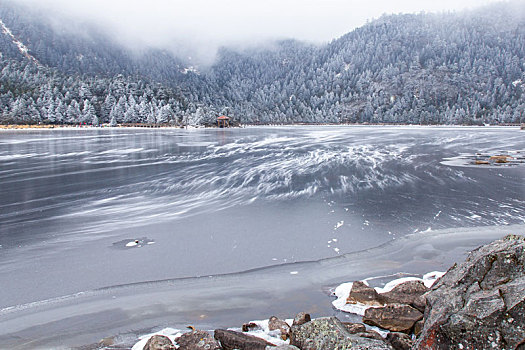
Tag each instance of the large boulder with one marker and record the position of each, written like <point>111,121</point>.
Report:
<point>159,342</point>
<point>230,340</point>
<point>409,293</point>
<point>197,340</point>
<point>361,293</point>
<point>394,317</point>
<point>479,304</point>
<point>330,334</point>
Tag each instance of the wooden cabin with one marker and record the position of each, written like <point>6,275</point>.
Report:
<point>223,122</point>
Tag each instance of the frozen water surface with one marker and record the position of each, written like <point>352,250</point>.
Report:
<point>111,231</point>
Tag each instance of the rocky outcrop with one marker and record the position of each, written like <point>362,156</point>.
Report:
<point>197,340</point>
<point>395,317</point>
<point>330,334</point>
<point>230,340</point>
<point>479,304</point>
<point>159,342</point>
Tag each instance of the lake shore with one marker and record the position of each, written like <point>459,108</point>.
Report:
<point>149,126</point>
<point>230,300</point>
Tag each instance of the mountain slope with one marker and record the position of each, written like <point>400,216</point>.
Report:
<point>454,68</point>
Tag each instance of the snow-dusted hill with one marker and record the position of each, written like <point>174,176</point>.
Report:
<point>457,68</point>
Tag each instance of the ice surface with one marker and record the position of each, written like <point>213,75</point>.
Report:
<point>270,191</point>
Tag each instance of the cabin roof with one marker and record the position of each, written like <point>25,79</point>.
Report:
<point>223,117</point>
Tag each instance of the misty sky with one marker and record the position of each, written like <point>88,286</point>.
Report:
<point>210,23</point>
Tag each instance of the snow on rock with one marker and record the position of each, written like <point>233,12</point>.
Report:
<point>171,333</point>
<point>263,331</point>
<point>342,291</point>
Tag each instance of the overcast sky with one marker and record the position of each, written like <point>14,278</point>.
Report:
<point>217,22</point>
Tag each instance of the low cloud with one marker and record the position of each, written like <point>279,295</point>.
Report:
<point>204,25</point>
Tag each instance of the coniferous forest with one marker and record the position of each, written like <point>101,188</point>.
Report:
<point>449,68</point>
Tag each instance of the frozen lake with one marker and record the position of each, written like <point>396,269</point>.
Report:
<point>111,231</point>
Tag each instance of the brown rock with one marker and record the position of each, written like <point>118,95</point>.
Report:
<point>197,340</point>
<point>361,293</point>
<point>230,340</point>
<point>354,328</point>
<point>159,342</point>
<point>399,341</point>
<point>301,318</point>
<point>394,317</point>
<point>500,158</point>
<point>276,324</point>
<point>418,327</point>
<point>407,293</point>
<point>249,327</point>
<point>106,342</point>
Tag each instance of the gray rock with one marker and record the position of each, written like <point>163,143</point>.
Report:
<point>330,334</point>
<point>479,304</point>
<point>159,342</point>
<point>361,293</point>
<point>399,341</point>
<point>275,323</point>
<point>198,340</point>
<point>230,340</point>
<point>301,318</point>
<point>394,317</point>
<point>282,347</point>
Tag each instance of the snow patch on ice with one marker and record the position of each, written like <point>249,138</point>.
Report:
<point>132,244</point>
<point>123,151</point>
<point>18,156</point>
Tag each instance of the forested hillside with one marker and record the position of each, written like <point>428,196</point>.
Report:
<point>453,68</point>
